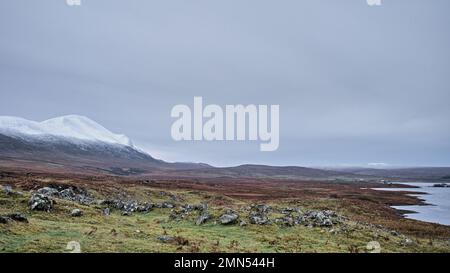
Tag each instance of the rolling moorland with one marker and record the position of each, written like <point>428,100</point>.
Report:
<point>117,214</point>
<point>108,196</point>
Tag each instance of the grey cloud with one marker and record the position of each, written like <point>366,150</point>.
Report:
<point>356,84</point>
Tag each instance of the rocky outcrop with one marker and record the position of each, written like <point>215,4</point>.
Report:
<point>69,193</point>
<point>259,214</point>
<point>41,202</point>
<point>129,206</point>
<point>323,218</point>
<point>185,210</point>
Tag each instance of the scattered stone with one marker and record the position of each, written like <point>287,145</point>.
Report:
<point>76,213</point>
<point>41,202</point>
<point>166,205</point>
<point>7,190</point>
<point>69,193</point>
<point>287,221</point>
<point>129,206</point>
<point>259,214</point>
<point>258,219</point>
<point>145,207</point>
<point>202,218</point>
<point>4,220</point>
<point>242,223</point>
<point>287,211</point>
<point>18,217</point>
<point>334,231</point>
<point>228,218</point>
<point>48,191</point>
<point>326,218</point>
<point>407,242</point>
<point>261,208</point>
<point>106,211</point>
<point>13,217</point>
<point>166,239</point>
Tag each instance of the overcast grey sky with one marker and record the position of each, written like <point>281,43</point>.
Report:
<point>355,84</point>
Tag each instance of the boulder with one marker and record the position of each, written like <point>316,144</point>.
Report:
<point>18,217</point>
<point>76,213</point>
<point>228,218</point>
<point>41,202</point>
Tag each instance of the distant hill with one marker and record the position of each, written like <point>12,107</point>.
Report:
<point>413,173</point>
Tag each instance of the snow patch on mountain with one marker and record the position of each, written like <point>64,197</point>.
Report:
<point>71,127</point>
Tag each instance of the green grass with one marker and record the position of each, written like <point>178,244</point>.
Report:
<point>50,232</point>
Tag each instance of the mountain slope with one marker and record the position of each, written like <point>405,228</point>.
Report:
<point>70,143</point>
<point>71,127</point>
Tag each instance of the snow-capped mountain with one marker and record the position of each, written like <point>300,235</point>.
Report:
<point>70,142</point>
<point>72,128</point>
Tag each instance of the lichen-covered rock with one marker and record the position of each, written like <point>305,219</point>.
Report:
<point>286,221</point>
<point>41,202</point>
<point>67,193</point>
<point>325,218</point>
<point>228,218</point>
<point>258,218</point>
<point>48,191</point>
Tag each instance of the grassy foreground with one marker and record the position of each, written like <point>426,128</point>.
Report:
<point>140,232</point>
